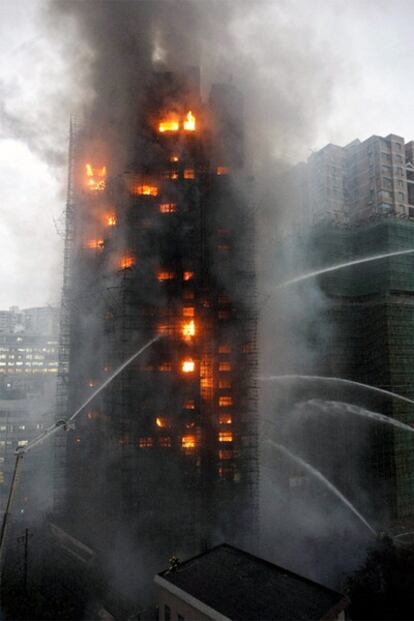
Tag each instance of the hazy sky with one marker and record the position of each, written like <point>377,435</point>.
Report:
<point>363,49</point>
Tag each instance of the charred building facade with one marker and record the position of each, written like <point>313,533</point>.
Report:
<point>164,460</point>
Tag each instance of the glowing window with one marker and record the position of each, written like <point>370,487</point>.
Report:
<point>110,220</point>
<point>165,366</point>
<point>147,442</point>
<point>225,454</point>
<point>145,190</point>
<point>188,311</point>
<point>95,244</point>
<point>189,329</point>
<point>165,328</point>
<point>225,436</point>
<point>188,275</point>
<point>168,125</point>
<point>164,441</point>
<point>223,170</point>
<point>174,158</point>
<point>224,366</point>
<point>225,419</point>
<point>224,349</point>
<point>188,442</point>
<point>225,402</point>
<point>189,404</point>
<point>24,442</point>
<point>166,276</point>
<point>189,173</point>
<point>168,207</point>
<point>126,263</point>
<point>95,178</point>
<point>188,366</point>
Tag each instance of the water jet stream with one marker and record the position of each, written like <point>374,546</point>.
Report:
<point>340,380</point>
<point>340,266</point>
<point>59,424</point>
<point>338,406</point>
<point>318,475</point>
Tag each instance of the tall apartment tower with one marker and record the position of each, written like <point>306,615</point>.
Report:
<point>164,461</point>
<point>361,204</point>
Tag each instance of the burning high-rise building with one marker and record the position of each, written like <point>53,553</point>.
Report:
<point>165,460</point>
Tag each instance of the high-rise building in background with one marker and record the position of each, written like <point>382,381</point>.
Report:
<point>356,202</point>
<point>165,459</point>
<point>356,182</point>
<point>28,371</point>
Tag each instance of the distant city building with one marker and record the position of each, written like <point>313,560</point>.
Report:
<point>22,354</point>
<point>28,370</point>
<point>354,182</point>
<point>21,420</point>
<point>41,320</point>
<point>226,583</point>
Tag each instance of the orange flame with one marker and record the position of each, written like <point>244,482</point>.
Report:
<point>223,170</point>
<point>111,220</point>
<point>168,207</point>
<point>188,366</point>
<point>190,122</point>
<point>126,262</point>
<point>162,422</point>
<point>189,329</point>
<point>188,275</point>
<point>94,244</point>
<point>96,178</point>
<point>225,436</point>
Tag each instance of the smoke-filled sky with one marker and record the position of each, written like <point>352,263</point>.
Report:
<point>312,72</point>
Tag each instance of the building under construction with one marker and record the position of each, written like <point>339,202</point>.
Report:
<point>360,204</point>
<point>164,460</point>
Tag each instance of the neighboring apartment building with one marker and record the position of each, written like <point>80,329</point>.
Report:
<point>353,183</point>
<point>356,202</point>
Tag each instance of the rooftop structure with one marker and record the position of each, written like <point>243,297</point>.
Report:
<point>226,583</point>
